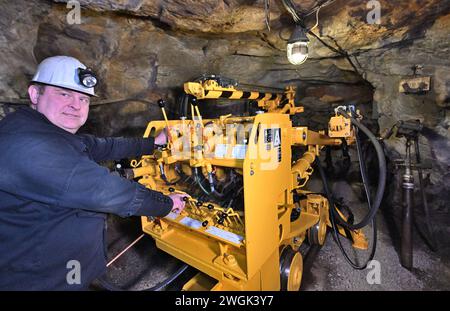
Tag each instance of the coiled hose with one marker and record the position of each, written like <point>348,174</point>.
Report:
<point>381,177</point>
<point>373,208</point>
<point>333,211</point>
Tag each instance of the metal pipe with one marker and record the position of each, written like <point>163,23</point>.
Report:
<point>122,252</point>
<point>315,138</point>
<point>406,251</point>
<point>303,164</point>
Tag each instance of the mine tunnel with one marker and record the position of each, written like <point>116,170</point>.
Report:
<point>306,141</point>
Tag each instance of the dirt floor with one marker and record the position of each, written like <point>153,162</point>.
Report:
<point>329,270</point>
<point>325,269</point>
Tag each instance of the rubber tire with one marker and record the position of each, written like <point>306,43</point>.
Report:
<point>287,257</point>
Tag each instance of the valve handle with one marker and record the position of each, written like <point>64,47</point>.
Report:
<point>161,103</point>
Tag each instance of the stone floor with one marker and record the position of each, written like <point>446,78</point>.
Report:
<point>330,271</point>
<point>325,269</point>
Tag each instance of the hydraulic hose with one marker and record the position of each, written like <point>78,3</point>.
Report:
<point>199,182</point>
<point>363,170</point>
<point>365,180</point>
<point>163,175</point>
<point>333,220</point>
<point>333,211</point>
<point>381,177</point>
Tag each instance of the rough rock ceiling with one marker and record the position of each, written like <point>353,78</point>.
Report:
<point>161,44</point>
<point>231,37</point>
<point>343,20</point>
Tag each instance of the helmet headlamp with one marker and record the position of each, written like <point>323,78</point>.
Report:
<point>87,77</point>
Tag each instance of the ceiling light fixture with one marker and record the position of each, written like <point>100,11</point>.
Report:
<point>297,46</point>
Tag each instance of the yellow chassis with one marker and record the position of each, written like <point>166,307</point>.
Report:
<point>243,251</point>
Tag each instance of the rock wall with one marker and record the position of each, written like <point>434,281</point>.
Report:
<point>144,50</point>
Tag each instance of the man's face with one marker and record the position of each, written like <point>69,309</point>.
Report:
<point>64,108</point>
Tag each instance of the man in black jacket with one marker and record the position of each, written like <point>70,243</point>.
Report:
<point>54,197</point>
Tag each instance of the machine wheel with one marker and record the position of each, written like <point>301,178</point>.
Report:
<point>291,269</point>
<point>317,233</point>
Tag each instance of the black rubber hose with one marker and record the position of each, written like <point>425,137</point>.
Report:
<point>164,177</point>
<point>333,214</point>
<point>111,287</point>
<point>363,169</point>
<point>381,177</point>
<point>431,241</point>
<point>199,182</point>
<point>183,105</point>
<point>365,180</point>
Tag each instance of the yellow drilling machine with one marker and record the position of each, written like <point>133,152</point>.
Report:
<point>247,212</point>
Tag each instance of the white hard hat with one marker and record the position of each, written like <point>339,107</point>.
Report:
<point>66,72</point>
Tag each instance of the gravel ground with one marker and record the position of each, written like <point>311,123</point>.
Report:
<point>326,269</point>
<point>330,271</point>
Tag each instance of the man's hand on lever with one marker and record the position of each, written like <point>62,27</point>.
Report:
<point>179,202</point>
<point>161,138</point>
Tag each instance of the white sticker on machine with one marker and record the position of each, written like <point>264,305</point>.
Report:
<point>220,151</point>
<point>190,222</point>
<point>172,215</point>
<point>276,137</point>
<point>229,236</point>
<point>239,151</point>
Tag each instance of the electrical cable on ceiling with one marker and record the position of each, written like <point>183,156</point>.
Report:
<point>290,7</point>
<point>299,17</point>
<point>267,13</point>
<point>317,19</point>
<point>318,7</point>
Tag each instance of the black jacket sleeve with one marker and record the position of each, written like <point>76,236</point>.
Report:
<point>116,148</point>
<point>92,187</point>
<point>56,174</point>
